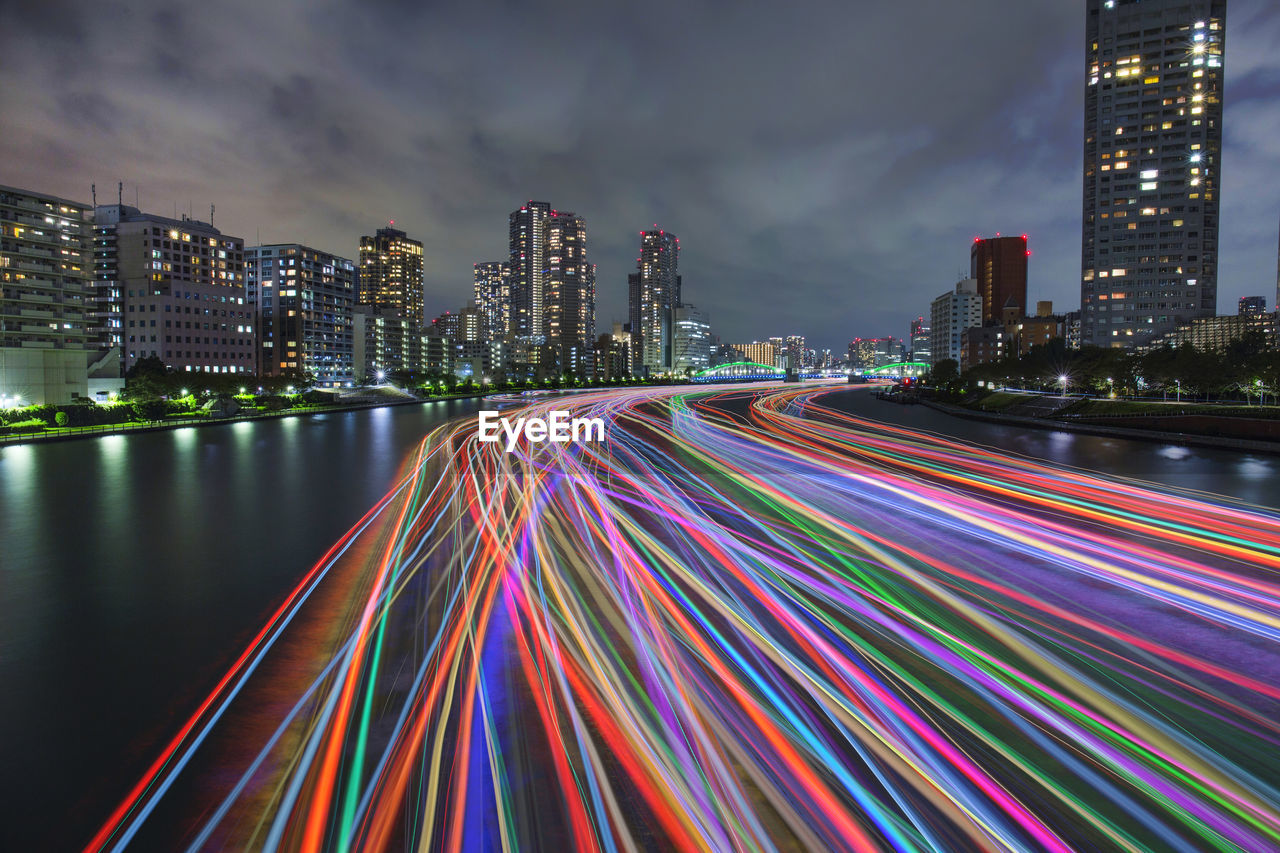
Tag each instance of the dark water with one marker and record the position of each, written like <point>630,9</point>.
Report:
<point>133,569</point>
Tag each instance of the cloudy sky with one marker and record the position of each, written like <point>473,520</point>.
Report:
<point>826,165</point>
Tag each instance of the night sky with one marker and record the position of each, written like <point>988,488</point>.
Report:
<point>826,169</point>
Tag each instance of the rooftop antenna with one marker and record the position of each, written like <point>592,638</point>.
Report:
<point>210,213</point>
<point>93,191</point>
<point>120,195</point>
<point>135,196</point>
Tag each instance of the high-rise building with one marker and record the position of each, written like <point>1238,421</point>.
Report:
<point>949,316</point>
<point>888,350</point>
<point>654,292</point>
<point>570,294</point>
<point>862,353</point>
<point>302,300</point>
<point>45,272</point>
<point>612,358</point>
<point>178,287</point>
<point>921,341</point>
<point>690,340</point>
<point>999,265</point>
<point>759,352</point>
<point>528,267</point>
<point>390,276</point>
<point>795,353</point>
<point>385,342</point>
<point>1252,305</point>
<point>493,297</point>
<point>1152,157</point>
<point>447,326</point>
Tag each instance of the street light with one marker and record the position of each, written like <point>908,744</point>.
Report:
<point>1064,379</point>
<point>380,376</point>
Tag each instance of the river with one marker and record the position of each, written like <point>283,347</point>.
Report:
<point>136,567</point>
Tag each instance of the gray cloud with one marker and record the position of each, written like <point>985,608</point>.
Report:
<point>825,164</point>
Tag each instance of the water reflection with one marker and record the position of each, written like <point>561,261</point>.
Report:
<point>135,567</point>
<point>1255,469</point>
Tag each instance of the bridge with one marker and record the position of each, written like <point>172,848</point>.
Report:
<point>738,371</point>
<point>899,370</point>
<point>753,371</point>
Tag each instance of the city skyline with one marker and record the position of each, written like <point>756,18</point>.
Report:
<point>820,200</point>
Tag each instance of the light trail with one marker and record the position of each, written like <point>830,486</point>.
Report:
<point>749,621</point>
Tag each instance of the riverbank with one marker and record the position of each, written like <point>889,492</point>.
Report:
<point>1115,430</point>
<point>72,433</point>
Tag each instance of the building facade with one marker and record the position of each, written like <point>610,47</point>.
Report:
<point>760,352</point>
<point>921,341</point>
<point>999,265</point>
<point>45,289</point>
<point>390,275</point>
<point>493,297</point>
<point>528,266</point>
<point>1152,160</point>
<point>612,359</point>
<point>570,295</point>
<point>982,344</point>
<point>654,292</point>
<point>949,315</point>
<point>691,340</point>
<point>384,342</point>
<point>1214,333</point>
<point>178,287</point>
<point>302,301</point>
<point>1252,305</point>
<point>1040,329</point>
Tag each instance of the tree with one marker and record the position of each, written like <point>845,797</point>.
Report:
<point>148,379</point>
<point>945,374</point>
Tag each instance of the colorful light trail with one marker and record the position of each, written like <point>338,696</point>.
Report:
<point>748,621</point>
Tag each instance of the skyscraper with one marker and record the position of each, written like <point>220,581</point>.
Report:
<point>570,294</point>
<point>999,264</point>
<point>690,339</point>
<point>528,264</point>
<point>921,346</point>
<point>391,273</point>
<point>654,292</point>
<point>795,353</point>
<point>493,297</point>
<point>302,300</point>
<point>1152,156</point>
